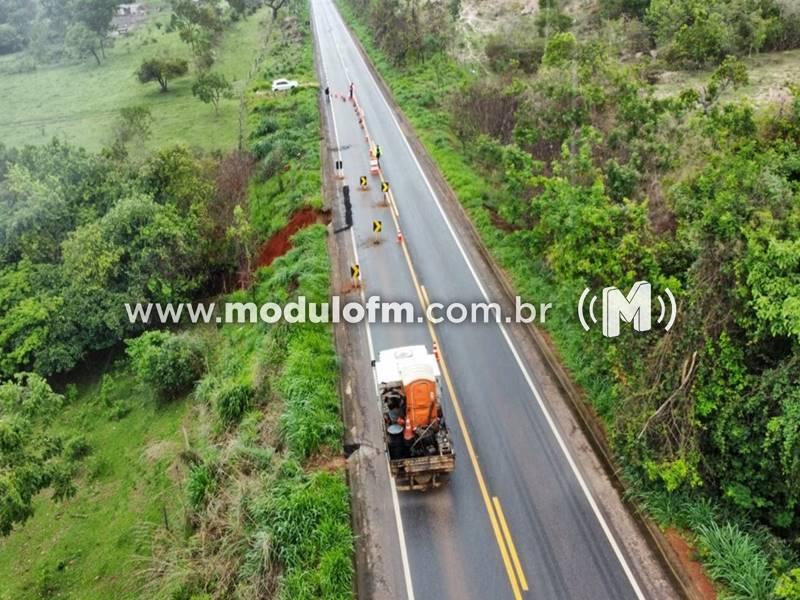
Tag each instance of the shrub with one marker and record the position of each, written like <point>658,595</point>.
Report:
<point>233,402</point>
<point>206,388</point>
<point>561,48</point>
<point>70,393</point>
<point>506,54</point>
<point>167,362</point>
<point>76,447</point>
<point>200,484</point>
<point>550,21</point>
<point>630,8</point>
<point>32,456</point>
<point>788,587</point>
<point>266,126</point>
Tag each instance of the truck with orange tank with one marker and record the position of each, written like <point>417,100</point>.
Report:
<point>418,442</point>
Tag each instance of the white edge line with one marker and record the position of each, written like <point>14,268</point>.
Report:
<point>395,501</point>
<point>584,487</point>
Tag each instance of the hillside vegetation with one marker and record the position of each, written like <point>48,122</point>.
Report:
<point>172,460</point>
<point>578,174</point>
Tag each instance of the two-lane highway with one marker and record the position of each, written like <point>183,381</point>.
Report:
<point>517,519</point>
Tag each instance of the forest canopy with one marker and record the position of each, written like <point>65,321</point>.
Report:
<point>83,234</point>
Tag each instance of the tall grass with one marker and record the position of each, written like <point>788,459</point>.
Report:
<point>266,522</point>
<point>307,384</point>
<point>733,557</point>
<point>307,517</point>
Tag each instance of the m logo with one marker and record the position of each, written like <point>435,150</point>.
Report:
<point>634,308</point>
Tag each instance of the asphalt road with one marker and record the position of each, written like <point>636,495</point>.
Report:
<point>517,513</point>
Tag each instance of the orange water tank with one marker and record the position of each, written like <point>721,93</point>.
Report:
<point>421,407</point>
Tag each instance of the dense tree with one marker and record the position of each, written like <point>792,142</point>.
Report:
<point>57,15</point>
<point>10,39</point>
<point>16,19</point>
<point>600,180</point>
<point>162,70</point>
<point>43,26</point>
<point>81,235</point>
<point>139,248</point>
<point>28,310</point>
<point>698,33</point>
<point>37,217</point>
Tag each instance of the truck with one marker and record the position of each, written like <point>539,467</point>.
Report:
<point>418,442</point>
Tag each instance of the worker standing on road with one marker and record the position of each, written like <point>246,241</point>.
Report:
<point>327,93</point>
<point>378,154</point>
<point>351,90</point>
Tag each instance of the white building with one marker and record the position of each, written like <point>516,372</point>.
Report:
<point>129,10</point>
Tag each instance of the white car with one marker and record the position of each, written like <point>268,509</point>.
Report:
<point>281,85</point>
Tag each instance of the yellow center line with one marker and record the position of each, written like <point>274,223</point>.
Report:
<point>425,297</point>
<point>511,548</point>
<point>490,509</point>
<point>515,587</point>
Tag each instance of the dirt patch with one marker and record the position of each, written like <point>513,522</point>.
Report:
<point>161,449</point>
<point>499,222</point>
<point>280,243</point>
<point>701,582</point>
<point>327,461</point>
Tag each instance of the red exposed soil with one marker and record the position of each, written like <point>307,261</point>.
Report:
<point>280,243</point>
<point>702,584</point>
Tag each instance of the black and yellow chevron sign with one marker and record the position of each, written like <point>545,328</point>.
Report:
<point>385,186</point>
<point>355,272</point>
<point>377,226</point>
<point>363,181</point>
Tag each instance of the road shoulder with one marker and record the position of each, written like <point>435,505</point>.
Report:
<point>377,556</point>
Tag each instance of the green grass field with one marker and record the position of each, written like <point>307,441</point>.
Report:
<point>80,102</point>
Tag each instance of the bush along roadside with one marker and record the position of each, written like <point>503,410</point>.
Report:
<point>266,501</point>
<point>591,180</point>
